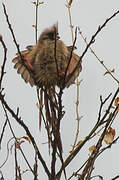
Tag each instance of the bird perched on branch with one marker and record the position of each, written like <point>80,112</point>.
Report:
<point>44,64</point>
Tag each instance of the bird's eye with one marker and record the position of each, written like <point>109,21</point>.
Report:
<point>51,36</point>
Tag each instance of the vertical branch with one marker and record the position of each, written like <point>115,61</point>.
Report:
<point>16,163</point>
<point>55,51</point>
<point>36,168</point>
<point>36,3</point>
<point>69,3</point>
<point>77,114</point>
<point>70,18</point>
<point>4,61</point>
<point>54,147</point>
<point>36,21</point>
<point>39,94</point>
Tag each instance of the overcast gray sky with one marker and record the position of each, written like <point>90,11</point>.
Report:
<point>88,15</point>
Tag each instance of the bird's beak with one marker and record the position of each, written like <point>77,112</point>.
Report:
<point>58,37</point>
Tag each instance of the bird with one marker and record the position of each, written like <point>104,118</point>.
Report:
<point>44,64</point>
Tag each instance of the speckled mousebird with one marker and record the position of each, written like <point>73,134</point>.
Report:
<point>41,61</point>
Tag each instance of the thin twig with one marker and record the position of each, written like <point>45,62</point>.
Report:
<point>3,130</point>
<point>36,168</point>
<point>101,178</point>
<point>69,3</point>
<point>101,105</point>
<point>65,74</point>
<point>109,146</point>
<point>16,163</point>
<point>76,173</point>
<point>89,166</point>
<point>12,32</point>
<point>100,61</point>
<point>39,96</point>
<point>15,41</point>
<point>117,177</point>
<point>36,24</point>
<point>77,114</point>
<point>70,20</point>
<point>4,61</point>
<point>78,148</point>
<point>15,138</point>
<point>27,132</point>
<point>7,153</point>
<point>91,42</point>
<point>55,51</point>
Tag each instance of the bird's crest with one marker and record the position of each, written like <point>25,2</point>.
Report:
<point>50,33</point>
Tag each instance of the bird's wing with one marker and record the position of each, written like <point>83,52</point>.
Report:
<point>74,60</point>
<point>24,66</point>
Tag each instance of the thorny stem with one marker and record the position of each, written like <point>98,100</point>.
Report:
<point>70,20</point>
<point>36,24</point>
<point>77,102</point>
<point>77,114</point>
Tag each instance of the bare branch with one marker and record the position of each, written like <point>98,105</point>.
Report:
<point>16,141</point>
<point>65,75</point>
<point>78,148</point>
<point>89,166</point>
<point>101,105</point>
<point>4,61</point>
<point>15,41</point>
<point>27,132</point>
<point>91,42</point>
<point>99,60</point>
<point>3,130</point>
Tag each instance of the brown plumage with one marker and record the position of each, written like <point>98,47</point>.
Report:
<point>38,67</point>
<point>40,60</point>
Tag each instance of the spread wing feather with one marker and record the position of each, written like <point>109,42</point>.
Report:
<point>21,68</point>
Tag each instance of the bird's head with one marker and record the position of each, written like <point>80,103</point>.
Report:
<point>50,33</point>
